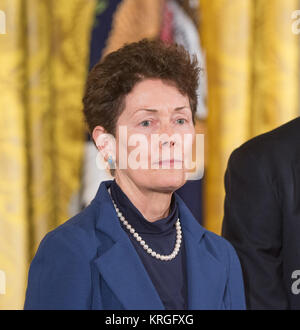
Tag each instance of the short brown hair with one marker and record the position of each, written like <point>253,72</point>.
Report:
<point>113,77</point>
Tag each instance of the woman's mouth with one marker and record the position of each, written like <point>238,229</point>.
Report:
<point>170,162</point>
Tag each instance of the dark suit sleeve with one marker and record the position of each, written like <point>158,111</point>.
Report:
<point>59,276</point>
<point>252,223</point>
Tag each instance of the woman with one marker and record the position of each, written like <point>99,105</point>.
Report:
<point>137,246</point>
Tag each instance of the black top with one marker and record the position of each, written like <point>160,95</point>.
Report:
<point>262,216</point>
<point>168,277</point>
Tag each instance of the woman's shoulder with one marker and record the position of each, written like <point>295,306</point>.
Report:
<point>216,245</point>
<point>219,247</point>
<point>77,234</point>
<point>60,272</point>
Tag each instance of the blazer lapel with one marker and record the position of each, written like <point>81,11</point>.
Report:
<point>206,276</point>
<point>119,263</point>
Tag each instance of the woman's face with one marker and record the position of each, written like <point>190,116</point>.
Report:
<point>150,134</point>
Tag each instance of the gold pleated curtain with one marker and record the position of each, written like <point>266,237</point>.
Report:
<point>252,60</point>
<point>43,64</point>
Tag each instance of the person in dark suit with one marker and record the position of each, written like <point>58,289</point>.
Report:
<point>137,245</point>
<point>262,216</point>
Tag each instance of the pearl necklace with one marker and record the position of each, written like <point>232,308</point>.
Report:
<point>143,243</point>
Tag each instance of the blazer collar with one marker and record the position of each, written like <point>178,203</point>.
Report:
<point>122,269</point>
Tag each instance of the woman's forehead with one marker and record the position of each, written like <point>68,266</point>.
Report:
<point>154,94</point>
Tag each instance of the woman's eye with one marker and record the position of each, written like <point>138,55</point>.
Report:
<point>145,123</point>
<point>181,121</point>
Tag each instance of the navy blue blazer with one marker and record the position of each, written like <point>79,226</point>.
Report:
<point>89,262</point>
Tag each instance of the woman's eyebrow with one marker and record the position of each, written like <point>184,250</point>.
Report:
<point>146,109</point>
<point>155,110</point>
<point>180,108</point>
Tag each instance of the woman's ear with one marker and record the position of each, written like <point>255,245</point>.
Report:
<point>99,140</point>
<point>105,142</point>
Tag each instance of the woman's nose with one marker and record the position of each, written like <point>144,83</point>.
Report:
<point>170,142</point>
<point>168,135</point>
<point>167,138</point>
<point>166,130</point>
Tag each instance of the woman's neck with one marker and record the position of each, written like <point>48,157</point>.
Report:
<point>153,205</point>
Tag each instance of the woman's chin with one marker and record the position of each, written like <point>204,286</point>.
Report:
<point>169,179</point>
